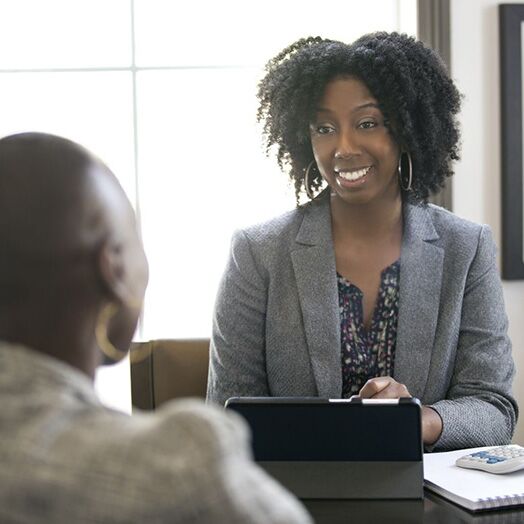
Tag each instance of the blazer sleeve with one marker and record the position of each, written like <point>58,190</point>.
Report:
<point>479,409</point>
<point>237,364</point>
<point>193,463</point>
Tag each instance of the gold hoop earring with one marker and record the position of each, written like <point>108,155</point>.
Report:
<point>399,169</point>
<point>307,187</point>
<point>105,345</point>
<point>107,313</point>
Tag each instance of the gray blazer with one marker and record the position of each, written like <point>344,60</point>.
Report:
<point>276,326</point>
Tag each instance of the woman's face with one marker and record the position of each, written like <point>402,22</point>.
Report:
<point>354,150</point>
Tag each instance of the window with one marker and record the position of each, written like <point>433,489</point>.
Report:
<point>165,94</point>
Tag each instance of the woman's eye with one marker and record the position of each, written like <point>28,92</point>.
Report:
<point>323,130</point>
<point>367,124</point>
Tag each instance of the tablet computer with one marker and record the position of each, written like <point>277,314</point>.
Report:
<point>337,448</point>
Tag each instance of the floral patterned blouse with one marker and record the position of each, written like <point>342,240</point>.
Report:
<point>368,354</point>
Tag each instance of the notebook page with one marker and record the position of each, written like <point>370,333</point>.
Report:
<point>474,485</point>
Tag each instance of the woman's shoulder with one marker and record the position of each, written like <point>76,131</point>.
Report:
<point>275,226</point>
<point>270,238</point>
<point>287,225</point>
<point>461,239</point>
<point>449,224</point>
<point>282,228</point>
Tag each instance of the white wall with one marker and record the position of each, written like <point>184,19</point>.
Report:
<point>476,184</point>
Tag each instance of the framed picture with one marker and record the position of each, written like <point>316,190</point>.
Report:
<point>511,23</point>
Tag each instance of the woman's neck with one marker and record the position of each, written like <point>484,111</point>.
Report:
<point>369,222</point>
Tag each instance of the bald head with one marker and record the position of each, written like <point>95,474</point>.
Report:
<point>68,241</point>
<point>55,198</point>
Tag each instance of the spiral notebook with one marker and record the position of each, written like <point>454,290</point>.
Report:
<point>473,489</point>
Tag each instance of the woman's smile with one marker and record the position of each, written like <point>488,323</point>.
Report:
<point>352,177</point>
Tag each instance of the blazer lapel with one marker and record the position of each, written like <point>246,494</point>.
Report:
<point>313,261</point>
<point>421,265</point>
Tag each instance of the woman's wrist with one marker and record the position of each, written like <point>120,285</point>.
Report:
<point>431,425</point>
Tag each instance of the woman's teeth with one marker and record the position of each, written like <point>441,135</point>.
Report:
<point>353,175</point>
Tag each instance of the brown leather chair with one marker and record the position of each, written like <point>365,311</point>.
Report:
<point>162,370</point>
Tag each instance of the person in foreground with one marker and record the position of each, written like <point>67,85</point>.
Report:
<point>72,279</point>
<point>366,289</point>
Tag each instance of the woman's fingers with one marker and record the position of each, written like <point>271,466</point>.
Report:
<point>383,387</point>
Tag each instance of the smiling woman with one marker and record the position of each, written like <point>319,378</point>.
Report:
<point>367,289</point>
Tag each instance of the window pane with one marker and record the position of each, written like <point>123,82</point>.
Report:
<point>94,109</point>
<point>236,32</point>
<point>37,34</point>
<point>408,17</point>
<point>202,174</point>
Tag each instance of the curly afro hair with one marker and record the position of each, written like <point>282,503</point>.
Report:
<point>410,82</point>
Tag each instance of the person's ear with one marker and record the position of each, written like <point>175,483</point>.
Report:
<point>113,272</point>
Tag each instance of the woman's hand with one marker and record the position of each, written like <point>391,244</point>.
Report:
<point>383,387</point>
<point>387,387</point>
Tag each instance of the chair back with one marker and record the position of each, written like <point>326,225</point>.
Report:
<point>168,369</point>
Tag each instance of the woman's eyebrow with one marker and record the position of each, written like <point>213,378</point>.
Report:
<point>357,108</point>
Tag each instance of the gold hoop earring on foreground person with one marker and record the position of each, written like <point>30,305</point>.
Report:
<point>410,176</point>
<point>102,339</point>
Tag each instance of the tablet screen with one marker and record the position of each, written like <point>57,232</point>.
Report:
<point>295,430</point>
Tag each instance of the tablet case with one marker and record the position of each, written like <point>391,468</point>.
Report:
<point>338,449</point>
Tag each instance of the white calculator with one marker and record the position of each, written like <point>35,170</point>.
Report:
<point>503,459</point>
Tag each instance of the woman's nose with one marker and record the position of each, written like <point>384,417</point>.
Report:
<point>347,146</point>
